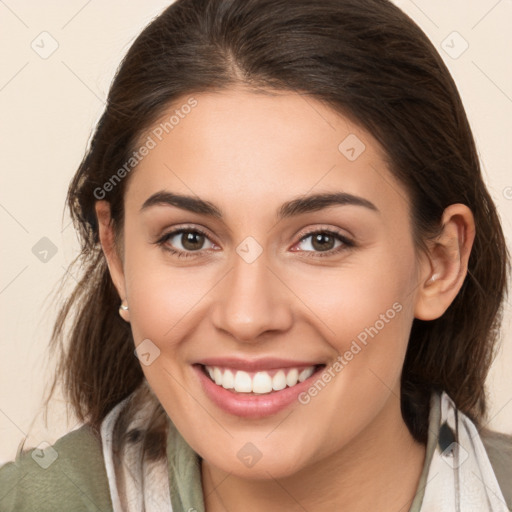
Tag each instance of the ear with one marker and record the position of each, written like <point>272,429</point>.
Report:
<point>445,267</point>
<point>114,261</point>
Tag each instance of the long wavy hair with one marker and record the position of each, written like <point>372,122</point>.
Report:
<point>368,61</point>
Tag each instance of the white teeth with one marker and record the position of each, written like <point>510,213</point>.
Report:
<point>292,377</point>
<point>243,382</point>
<point>228,380</point>
<point>217,376</point>
<point>260,382</point>
<point>279,381</point>
<point>306,373</point>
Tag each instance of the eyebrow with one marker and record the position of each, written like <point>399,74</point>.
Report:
<point>291,208</point>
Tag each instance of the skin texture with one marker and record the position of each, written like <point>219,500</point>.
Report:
<point>247,153</point>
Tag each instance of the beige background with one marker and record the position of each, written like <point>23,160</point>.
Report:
<point>49,106</point>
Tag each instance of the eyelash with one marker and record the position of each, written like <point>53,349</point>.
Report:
<point>346,243</point>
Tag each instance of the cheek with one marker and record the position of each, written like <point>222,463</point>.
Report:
<point>366,314</point>
<point>160,294</point>
<point>353,301</point>
<point>368,296</point>
<point>160,300</point>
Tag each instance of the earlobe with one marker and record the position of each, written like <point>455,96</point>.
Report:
<point>445,268</point>
<point>114,262</point>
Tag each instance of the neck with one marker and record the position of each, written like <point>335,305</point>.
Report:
<point>379,470</point>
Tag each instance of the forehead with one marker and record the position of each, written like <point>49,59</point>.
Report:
<point>244,148</point>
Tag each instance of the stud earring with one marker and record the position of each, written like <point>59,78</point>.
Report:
<point>122,308</point>
<point>433,278</point>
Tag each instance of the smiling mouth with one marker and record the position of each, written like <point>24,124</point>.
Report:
<point>261,382</point>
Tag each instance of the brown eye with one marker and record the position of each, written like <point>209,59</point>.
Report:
<point>184,242</point>
<point>324,243</point>
<point>192,240</point>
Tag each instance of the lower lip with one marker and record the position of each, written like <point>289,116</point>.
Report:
<point>250,405</point>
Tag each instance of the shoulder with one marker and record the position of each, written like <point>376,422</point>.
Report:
<point>499,451</point>
<point>68,475</point>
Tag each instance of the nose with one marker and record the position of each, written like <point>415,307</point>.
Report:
<point>252,301</point>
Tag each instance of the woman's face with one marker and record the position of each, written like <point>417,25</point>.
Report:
<point>268,280</point>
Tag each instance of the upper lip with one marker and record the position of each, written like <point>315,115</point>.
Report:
<point>254,365</point>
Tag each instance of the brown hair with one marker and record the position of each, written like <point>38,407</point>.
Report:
<point>365,59</point>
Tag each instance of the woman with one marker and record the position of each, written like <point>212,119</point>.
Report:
<point>282,213</point>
